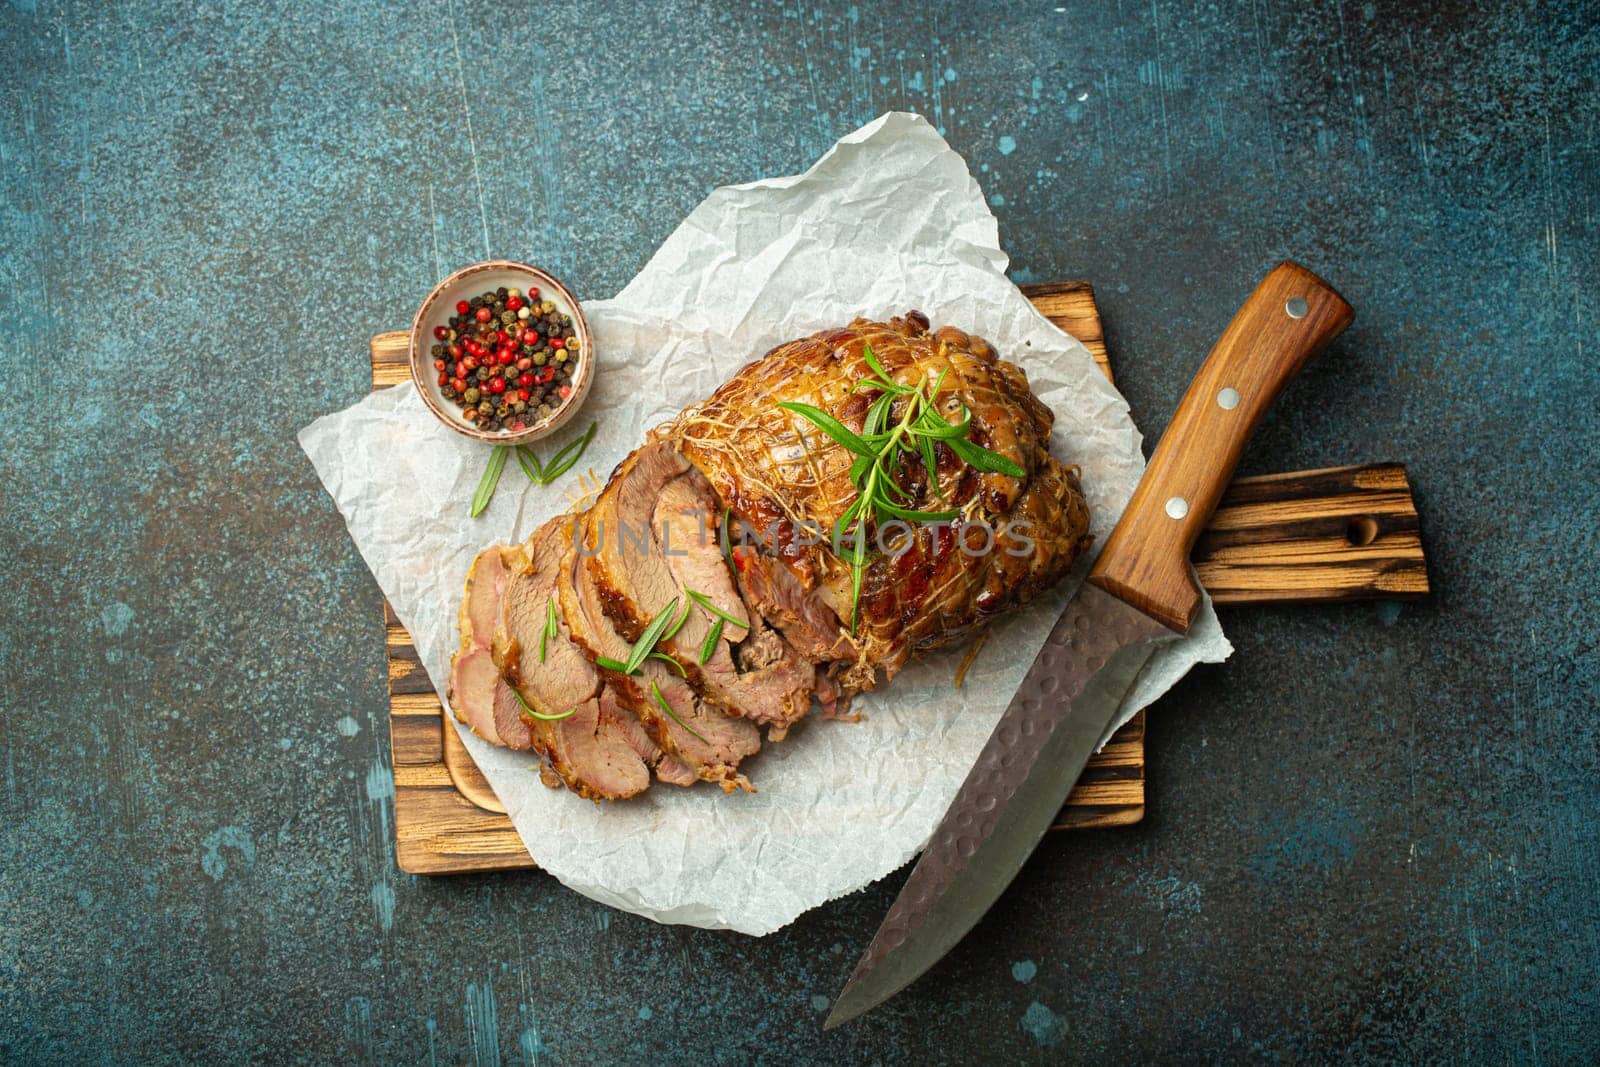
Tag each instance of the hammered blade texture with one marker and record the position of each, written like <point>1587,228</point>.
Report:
<point>1093,628</point>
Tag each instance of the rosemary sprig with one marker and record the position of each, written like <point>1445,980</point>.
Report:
<point>878,450</point>
<point>727,544</point>
<point>652,633</point>
<point>544,473</point>
<point>655,691</point>
<point>549,625</point>
<point>607,663</point>
<point>530,464</point>
<point>490,479</point>
<point>677,624</point>
<point>528,709</point>
<point>722,616</point>
<point>538,473</point>
<point>563,460</point>
<point>661,628</point>
<point>709,646</point>
<point>669,661</point>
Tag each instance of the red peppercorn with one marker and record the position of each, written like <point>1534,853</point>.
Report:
<point>522,395</point>
<point>513,303</point>
<point>440,333</point>
<point>438,364</point>
<point>485,314</point>
<point>501,336</point>
<point>525,380</point>
<point>497,385</point>
<point>548,374</point>
<point>462,307</point>
<point>530,337</point>
<point>524,363</point>
<point>443,378</point>
<point>454,350</point>
<point>470,364</point>
<point>507,357</point>
<point>533,293</point>
<point>460,385</point>
<point>557,342</point>
<point>566,391</point>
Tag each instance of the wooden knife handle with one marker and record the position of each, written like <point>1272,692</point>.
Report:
<point>1291,316</point>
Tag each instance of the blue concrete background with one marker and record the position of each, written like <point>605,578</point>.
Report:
<point>1373,833</point>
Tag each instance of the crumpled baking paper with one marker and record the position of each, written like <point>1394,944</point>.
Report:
<point>889,219</point>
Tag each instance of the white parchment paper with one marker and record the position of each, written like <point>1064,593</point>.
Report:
<point>889,219</point>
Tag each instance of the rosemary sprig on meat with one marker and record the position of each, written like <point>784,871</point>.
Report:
<point>529,709</point>
<point>711,609</point>
<point>550,630</point>
<point>879,447</point>
<point>667,622</point>
<point>708,647</point>
<point>655,692</point>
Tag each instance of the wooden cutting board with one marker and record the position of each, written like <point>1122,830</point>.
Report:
<point>1345,533</point>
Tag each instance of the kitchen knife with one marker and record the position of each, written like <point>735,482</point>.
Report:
<point>1140,594</point>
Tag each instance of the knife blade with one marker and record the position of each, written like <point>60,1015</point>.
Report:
<point>1139,595</point>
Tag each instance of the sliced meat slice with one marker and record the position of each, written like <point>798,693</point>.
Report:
<point>708,743</point>
<point>658,515</point>
<point>804,618</point>
<point>509,724</point>
<point>473,695</point>
<point>473,679</point>
<point>752,671</point>
<point>593,751</point>
<point>480,602</point>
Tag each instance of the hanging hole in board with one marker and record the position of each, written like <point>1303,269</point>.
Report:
<point>1362,531</point>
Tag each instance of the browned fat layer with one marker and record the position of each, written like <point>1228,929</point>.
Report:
<point>630,694</point>
<point>511,671</point>
<point>618,608</point>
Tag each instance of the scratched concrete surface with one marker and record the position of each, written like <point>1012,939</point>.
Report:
<point>1372,833</point>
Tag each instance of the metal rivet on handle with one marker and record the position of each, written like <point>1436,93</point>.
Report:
<point>1297,307</point>
<point>1228,398</point>
<point>1177,507</point>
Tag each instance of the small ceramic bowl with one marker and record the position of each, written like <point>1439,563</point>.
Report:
<point>475,280</point>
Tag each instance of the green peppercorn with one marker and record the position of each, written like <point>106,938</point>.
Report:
<point>472,395</point>
<point>561,355</point>
<point>539,358</point>
<point>484,407</point>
